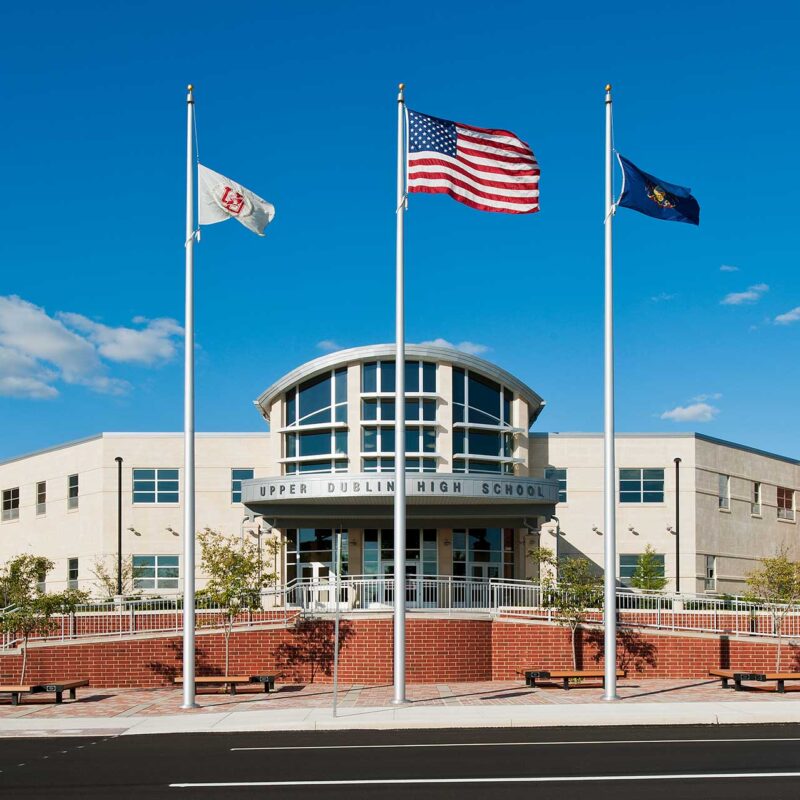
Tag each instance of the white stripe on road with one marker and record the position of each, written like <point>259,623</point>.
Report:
<point>532,779</point>
<point>509,744</point>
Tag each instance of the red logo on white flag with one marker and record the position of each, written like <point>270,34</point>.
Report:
<point>232,201</point>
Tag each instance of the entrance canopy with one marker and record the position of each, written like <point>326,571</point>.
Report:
<point>432,500</point>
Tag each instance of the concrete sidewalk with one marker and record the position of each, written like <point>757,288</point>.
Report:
<point>108,712</point>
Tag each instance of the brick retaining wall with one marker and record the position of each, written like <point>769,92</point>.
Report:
<point>438,650</point>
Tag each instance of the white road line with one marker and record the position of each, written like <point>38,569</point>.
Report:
<point>532,779</point>
<point>508,744</point>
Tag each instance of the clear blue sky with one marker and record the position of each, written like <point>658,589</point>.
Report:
<point>297,101</point>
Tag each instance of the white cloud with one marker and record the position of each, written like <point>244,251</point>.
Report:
<point>752,295</point>
<point>473,348</point>
<point>38,351</point>
<point>789,317</point>
<point>728,268</point>
<point>696,412</point>
<point>702,398</point>
<point>663,297</point>
<point>155,342</point>
<point>328,345</point>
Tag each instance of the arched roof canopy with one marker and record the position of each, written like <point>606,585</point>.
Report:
<point>375,352</point>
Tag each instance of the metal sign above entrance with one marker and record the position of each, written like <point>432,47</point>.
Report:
<point>439,487</point>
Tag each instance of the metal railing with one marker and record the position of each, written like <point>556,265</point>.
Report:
<point>509,599</point>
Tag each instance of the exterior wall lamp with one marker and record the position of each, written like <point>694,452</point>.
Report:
<point>134,531</point>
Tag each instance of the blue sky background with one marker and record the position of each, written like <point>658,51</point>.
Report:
<point>297,101</point>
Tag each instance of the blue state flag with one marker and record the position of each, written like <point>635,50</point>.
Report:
<point>656,198</point>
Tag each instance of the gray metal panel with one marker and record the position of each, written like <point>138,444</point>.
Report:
<point>448,355</point>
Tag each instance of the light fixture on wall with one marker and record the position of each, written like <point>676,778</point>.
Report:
<point>172,531</point>
<point>670,529</point>
<point>633,530</point>
<point>134,531</point>
<point>597,530</point>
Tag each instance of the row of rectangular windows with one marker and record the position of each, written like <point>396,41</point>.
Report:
<point>150,486</point>
<point>149,572</point>
<point>646,485</point>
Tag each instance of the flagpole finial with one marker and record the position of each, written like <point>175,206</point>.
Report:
<point>608,87</point>
<point>401,86</point>
<point>190,87</point>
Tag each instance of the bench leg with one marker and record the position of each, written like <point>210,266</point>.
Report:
<point>566,683</point>
<point>233,688</point>
<point>59,697</point>
<point>72,695</point>
<point>724,683</point>
<point>781,687</point>
<point>738,686</point>
<point>15,697</point>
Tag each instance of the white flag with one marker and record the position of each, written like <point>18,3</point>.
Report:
<point>219,198</point>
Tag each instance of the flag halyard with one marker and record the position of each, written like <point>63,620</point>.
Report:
<point>484,168</point>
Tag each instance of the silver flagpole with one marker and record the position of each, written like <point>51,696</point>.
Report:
<point>400,429</point>
<point>609,499</point>
<point>188,426</point>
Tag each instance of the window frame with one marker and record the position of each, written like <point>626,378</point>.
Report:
<point>73,582</point>
<point>710,575</point>
<point>756,501</point>
<point>789,510</point>
<point>10,504</point>
<point>641,491</point>
<point>625,580</point>
<point>724,491</point>
<point>73,491</point>
<point>41,498</point>
<point>560,474</point>
<point>156,480</point>
<point>157,579</point>
<point>235,480</point>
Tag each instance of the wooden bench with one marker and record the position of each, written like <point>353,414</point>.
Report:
<point>564,675</point>
<point>232,681</point>
<point>737,676</point>
<point>56,687</point>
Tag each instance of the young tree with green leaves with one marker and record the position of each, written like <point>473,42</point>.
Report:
<point>30,611</point>
<point>106,577</point>
<point>570,587</point>
<point>649,572</point>
<point>236,575</point>
<point>776,585</point>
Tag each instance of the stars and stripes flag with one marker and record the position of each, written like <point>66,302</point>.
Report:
<point>487,169</point>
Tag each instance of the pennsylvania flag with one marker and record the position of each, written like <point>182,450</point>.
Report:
<point>656,198</point>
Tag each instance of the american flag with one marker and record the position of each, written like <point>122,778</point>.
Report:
<point>491,170</point>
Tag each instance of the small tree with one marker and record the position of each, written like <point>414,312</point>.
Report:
<point>776,585</point>
<point>106,577</point>
<point>576,590</point>
<point>236,576</point>
<point>649,572</point>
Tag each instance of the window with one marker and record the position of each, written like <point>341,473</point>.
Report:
<point>155,572</point>
<point>41,580</point>
<point>483,553</point>
<point>72,573</point>
<point>384,464</point>
<point>41,497</point>
<point>785,503</point>
<point>72,492</point>
<point>711,574</point>
<point>237,476</point>
<point>307,546</point>
<point>319,406</point>
<point>378,377</point>
<point>628,562</point>
<point>561,476</point>
<point>641,485</point>
<point>10,504</point>
<point>755,505</point>
<point>155,486</point>
<point>725,492</point>
<point>482,442</point>
<point>421,553</point>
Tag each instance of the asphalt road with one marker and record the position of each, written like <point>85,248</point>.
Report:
<point>664,763</point>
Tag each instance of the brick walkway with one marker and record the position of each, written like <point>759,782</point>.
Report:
<point>143,702</point>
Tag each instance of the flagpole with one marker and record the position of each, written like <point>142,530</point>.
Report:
<point>188,426</point>
<point>400,428</point>
<point>609,499</point>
